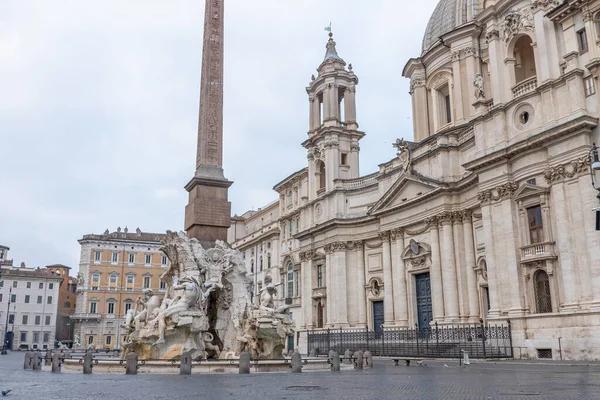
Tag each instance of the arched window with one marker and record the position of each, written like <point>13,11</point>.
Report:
<point>543,298</point>
<point>524,59</point>
<point>322,176</point>
<point>290,280</point>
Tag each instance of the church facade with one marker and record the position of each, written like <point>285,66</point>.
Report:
<point>485,216</point>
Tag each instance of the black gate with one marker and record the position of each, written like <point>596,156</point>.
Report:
<point>479,340</point>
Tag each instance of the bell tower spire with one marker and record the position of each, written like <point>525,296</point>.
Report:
<point>208,213</point>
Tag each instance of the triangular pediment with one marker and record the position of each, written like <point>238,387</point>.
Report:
<point>528,190</point>
<point>406,189</point>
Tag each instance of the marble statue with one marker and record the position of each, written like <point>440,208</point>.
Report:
<point>207,309</point>
<point>478,83</point>
<point>80,279</point>
<point>76,343</point>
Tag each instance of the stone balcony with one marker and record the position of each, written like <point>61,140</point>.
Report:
<point>526,86</point>
<point>537,252</point>
<point>86,316</point>
<point>319,292</point>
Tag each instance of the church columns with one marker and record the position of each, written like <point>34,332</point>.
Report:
<point>494,287</point>
<point>360,284</point>
<point>306,274</point>
<point>449,270</point>
<point>399,280</point>
<point>388,299</point>
<point>459,114</point>
<point>470,266</point>
<point>459,257</point>
<point>350,106</point>
<point>329,288</point>
<point>315,113</point>
<point>437,296</point>
<point>337,303</point>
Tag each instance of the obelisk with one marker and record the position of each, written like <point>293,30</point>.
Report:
<point>208,213</point>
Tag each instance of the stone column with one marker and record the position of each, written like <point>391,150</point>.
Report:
<point>437,295</point>
<point>350,104</point>
<point>461,280</point>
<point>360,284</point>
<point>340,290</point>
<point>449,270</point>
<point>388,292</point>
<point>564,247</point>
<point>306,258</point>
<point>500,90</point>
<point>418,93</point>
<point>335,103</point>
<point>457,95</point>
<point>471,275</point>
<point>494,289</point>
<point>330,304</point>
<point>399,274</point>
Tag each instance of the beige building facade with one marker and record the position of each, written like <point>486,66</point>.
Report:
<point>114,270</point>
<point>486,215</point>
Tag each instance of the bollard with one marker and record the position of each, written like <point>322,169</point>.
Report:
<point>335,362</point>
<point>368,359</point>
<point>131,366</point>
<point>358,360</point>
<point>36,361</point>
<point>28,363</point>
<point>245,363</point>
<point>56,361</point>
<point>48,358</point>
<point>296,362</point>
<point>88,359</point>
<point>347,356</point>
<point>465,359</point>
<point>185,365</point>
<point>313,353</point>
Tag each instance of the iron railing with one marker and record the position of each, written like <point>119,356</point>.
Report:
<point>479,340</point>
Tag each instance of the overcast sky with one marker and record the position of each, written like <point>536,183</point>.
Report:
<point>99,106</point>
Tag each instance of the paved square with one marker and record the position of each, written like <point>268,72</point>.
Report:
<point>502,380</point>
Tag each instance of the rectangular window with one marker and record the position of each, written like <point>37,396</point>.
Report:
<point>15,283</point>
<point>284,226</point>
<point>46,337</point>
<point>146,282</point>
<point>130,279</point>
<point>38,319</point>
<point>582,41</point>
<point>127,307</point>
<point>113,279</point>
<point>39,300</point>
<point>319,276</point>
<point>1,283</point>
<point>115,257</point>
<point>48,318</point>
<point>448,108</point>
<point>13,298</point>
<point>148,258</point>
<point>0,297</point>
<point>49,300</point>
<point>11,319</point>
<point>41,285</point>
<point>26,298</point>
<point>51,286</point>
<point>290,288</point>
<point>93,306</point>
<point>344,159</point>
<point>536,228</point>
<point>260,265</point>
<point>36,337</point>
<point>96,278</point>
<point>589,86</point>
<point>268,261</point>
<point>111,308</point>
<point>108,340</point>
<point>297,284</point>
<point>291,227</point>
<point>23,336</point>
<point>97,255</point>
<point>131,258</point>
<point>91,339</point>
<point>163,260</point>
<point>24,319</point>
<point>28,285</point>
<point>163,285</point>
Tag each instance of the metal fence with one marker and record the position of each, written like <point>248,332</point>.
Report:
<point>479,340</point>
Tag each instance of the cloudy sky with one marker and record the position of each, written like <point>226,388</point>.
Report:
<point>99,106</point>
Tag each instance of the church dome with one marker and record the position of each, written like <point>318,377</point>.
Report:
<point>449,14</point>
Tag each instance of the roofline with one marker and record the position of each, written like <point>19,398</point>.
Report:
<point>305,169</point>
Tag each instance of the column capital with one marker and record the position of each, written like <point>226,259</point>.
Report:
<point>385,236</point>
<point>397,233</point>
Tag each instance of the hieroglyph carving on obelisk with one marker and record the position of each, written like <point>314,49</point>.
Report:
<point>210,124</point>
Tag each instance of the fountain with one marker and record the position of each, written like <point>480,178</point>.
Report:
<point>207,310</point>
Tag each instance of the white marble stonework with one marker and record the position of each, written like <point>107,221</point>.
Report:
<point>492,200</point>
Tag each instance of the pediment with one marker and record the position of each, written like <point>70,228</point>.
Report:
<point>405,189</point>
<point>527,190</point>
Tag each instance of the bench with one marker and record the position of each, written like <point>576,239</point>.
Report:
<point>407,360</point>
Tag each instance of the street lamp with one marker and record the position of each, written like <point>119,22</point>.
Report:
<point>5,344</point>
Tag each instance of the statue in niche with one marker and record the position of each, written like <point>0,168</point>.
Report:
<point>478,83</point>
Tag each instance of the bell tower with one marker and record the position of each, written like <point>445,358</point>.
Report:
<point>333,134</point>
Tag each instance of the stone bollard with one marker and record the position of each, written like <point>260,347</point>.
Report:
<point>296,362</point>
<point>36,361</point>
<point>313,353</point>
<point>88,359</point>
<point>28,363</point>
<point>335,362</point>
<point>244,363</point>
<point>368,359</point>
<point>56,360</point>
<point>185,365</point>
<point>358,360</point>
<point>131,366</point>
<point>48,358</point>
<point>347,356</point>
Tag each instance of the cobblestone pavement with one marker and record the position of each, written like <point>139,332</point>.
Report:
<point>501,381</point>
